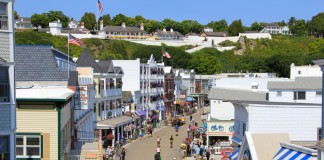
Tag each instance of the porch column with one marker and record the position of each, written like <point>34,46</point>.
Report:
<point>108,107</point>
<point>118,133</point>
<point>104,113</point>
<point>122,131</point>
<point>115,107</point>
<point>113,132</point>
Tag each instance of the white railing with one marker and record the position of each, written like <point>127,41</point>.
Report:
<point>114,92</point>
<point>117,112</point>
<point>83,136</point>
<point>83,80</point>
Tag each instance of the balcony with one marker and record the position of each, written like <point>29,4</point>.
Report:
<point>153,90</point>
<point>115,112</point>
<point>84,80</point>
<point>114,92</point>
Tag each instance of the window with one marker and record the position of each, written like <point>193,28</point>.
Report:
<point>279,93</point>
<point>4,85</point>
<point>244,128</point>
<point>28,146</point>
<point>319,134</point>
<point>4,149</point>
<point>318,93</point>
<point>300,95</point>
<point>299,72</point>
<point>3,16</point>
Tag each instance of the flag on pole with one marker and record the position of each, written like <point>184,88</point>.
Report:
<point>166,54</point>
<point>73,40</point>
<point>100,6</point>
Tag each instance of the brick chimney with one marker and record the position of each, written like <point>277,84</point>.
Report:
<point>101,24</point>
<point>82,25</point>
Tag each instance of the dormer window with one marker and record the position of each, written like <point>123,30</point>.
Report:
<point>4,85</point>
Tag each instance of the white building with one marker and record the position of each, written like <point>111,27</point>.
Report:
<point>7,82</point>
<point>145,81</point>
<point>274,28</point>
<point>208,29</point>
<point>24,23</point>
<point>73,24</point>
<point>122,32</point>
<point>305,71</point>
<point>289,106</point>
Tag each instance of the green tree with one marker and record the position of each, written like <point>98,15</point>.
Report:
<point>119,19</point>
<point>235,28</point>
<point>169,23</point>
<point>16,15</point>
<point>205,64</point>
<point>255,26</point>
<point>106,20</point>
<point>318,24</point>
<point>40,20</point>
<point>58,15</point>
<point>218,26</point>
<point>300,27</point>
<point>191,26</point>
<point>151,26</point>
<point>139,19</point>
<point>89,20</point>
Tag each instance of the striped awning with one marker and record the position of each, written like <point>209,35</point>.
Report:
<point>285,153</point>
<point>234,155</point>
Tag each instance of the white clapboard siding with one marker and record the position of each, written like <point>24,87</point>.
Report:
<point>301,122</point>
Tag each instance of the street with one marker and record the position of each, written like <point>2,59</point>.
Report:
<point>145,149</point>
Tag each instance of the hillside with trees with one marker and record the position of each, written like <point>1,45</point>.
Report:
<point>262,55</point>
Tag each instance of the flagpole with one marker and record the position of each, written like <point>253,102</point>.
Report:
<point>68,55</point>
<point>162,54</point>
<point>97,16</point>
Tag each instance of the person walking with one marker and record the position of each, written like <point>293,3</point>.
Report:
<point>123,154</point>
<point>176,129</point>
<point>157,156</point>
<point>207,154</point>
<point>158,141</point>
<point>171,141</point>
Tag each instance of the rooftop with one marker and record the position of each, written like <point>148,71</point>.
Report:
<point>300,83</point>
<point>43,94</point>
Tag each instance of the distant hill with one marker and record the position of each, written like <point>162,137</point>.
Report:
<point>263,55</point>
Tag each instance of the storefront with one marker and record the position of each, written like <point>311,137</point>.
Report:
<point>219,133</point>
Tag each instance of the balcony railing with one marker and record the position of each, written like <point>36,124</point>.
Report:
<point>83,136</point>
<point>114,92</point>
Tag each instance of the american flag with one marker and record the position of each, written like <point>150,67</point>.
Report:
<point>73,40</point>
<point>166,54</point>
<point>100,6</point>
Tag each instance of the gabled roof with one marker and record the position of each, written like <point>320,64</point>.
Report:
<point>86,60</point>
<point>272,24</point>
<point>236,94</point>
<point>37,63</point>
<point>74,21</point>
<point>168,33</point>
<point>2,60</point>
<point>122,29</point>
<point>215,34</point>
<point>106,66</point>
<point>300,83</point>
<point>118,70</point>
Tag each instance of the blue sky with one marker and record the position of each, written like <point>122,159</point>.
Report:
<point>203,11</point>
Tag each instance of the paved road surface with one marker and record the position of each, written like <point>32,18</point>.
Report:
<point>145,149</point>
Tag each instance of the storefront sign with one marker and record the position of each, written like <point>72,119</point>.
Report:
<point>220,127</point>
<point>84,97</point>
<point>182,96</point>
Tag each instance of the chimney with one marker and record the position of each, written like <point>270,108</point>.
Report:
<point>82,24</point>
<point>101,24</point>
<point>58,21</point>
<point>123,25</point>
<point>164,30</point>
<point>171,30</point>
<point>142,26</point>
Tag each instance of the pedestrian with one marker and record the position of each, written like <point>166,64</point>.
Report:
<point>188,132</point>
<point>212,151</point>
<point>158,140</point>
<point>123,153</point>
<point>207,154</point>
<point>196,124</point>
<point>176,129</point>
<point>151,132</point>
<point>158,149</point>
<point>190,117</point>
<point>157,156</point>
<point>171,142</point>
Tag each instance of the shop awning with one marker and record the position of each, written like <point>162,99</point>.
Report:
<point>237,140</point>
<point>285,153</point>
<point>114,122</point>
<point>234,155</point>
